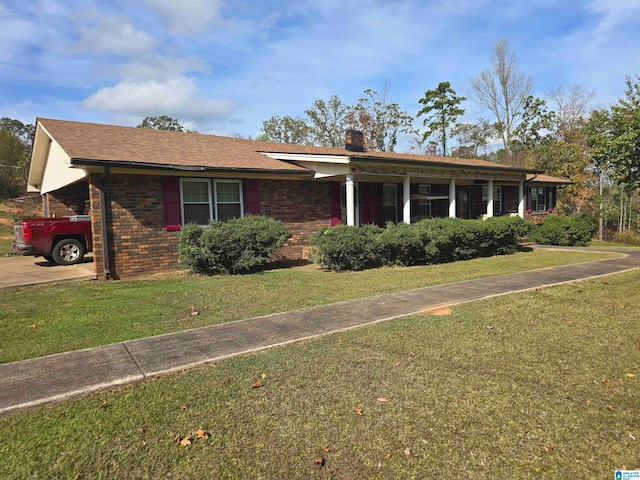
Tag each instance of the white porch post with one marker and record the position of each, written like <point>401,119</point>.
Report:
<point>406,199</point>
<point>490,199</point>
<point>351,211</point>
<point>521,198</point>
<point>452,198</point>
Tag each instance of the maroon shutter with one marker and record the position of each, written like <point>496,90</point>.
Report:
<point>172,214</point>
<point>252,197</point>
<point>365,202</point>
<point>378,207</point>
<point>335,204</point>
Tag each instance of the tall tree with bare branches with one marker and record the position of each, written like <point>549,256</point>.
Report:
<point>502,90</point>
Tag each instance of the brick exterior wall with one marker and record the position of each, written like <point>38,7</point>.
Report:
<point>536,218</point>
<point>71,200</point>
<point>137,239</point>
<point>136,232</point>
<point>303,206</point>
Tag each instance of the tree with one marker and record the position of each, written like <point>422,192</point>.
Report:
<point>502,90</point>
<point>380,119</point>
<point>472,138</point>
<point>442,108</point>
<point>326,120</point>
<point>572,109</point>
<point>15,147</point>
<point>614,136</point>
<point>287,129</point>
<point>164,122</point>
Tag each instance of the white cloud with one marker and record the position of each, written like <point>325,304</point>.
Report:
<point>614,13</point>
<point>159,68</point>
<point>175,97</point>
<point>112,34</point>
<point>187,16</point>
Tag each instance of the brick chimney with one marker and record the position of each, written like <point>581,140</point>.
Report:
<point>354,140</point>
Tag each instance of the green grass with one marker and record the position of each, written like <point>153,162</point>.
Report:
<point>6,239</point>
<point>531,385</point>
<point>41,320</point>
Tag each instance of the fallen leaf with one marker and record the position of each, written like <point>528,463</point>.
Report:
<point>263,376</point>
<point>491,327</point>
<point>104,405</point>
<point>543,382</point>
<point>631,436</point>
<point>398,364</point>
<point>319,461</point>
<point>186,441</point>
<point>382,400</point>
<point>33,326</point>
<point>622,306</point>
<point>475,388</point>
<point>508,309</point>
<point>256,385</point>
<point>610,408</point>
<point>606,382</point>
<point>407,451</point>
<point>202,434</point>
<point>195,313</point>
<point>569,322</point>
<point>325,449</point>
<point>532,323</point>
<point>185,406</point>
<point>548,448</point>
<point>387,456</point>
<point>358,411</point>
<point>176,438</point>
<point>631,375</point>
<point>412,354</point>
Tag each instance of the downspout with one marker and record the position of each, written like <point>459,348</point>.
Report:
<point>103,225</point>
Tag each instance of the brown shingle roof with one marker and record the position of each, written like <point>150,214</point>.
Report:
<point>541,178</point>
<point>97,143</point>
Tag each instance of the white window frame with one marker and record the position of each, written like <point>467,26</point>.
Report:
<point>395,200</point>
<point>182,202</point>
<point>215,196</point>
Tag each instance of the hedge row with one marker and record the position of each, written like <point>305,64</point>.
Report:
<point>437,240</point>
<point>576,230</point>
<point>235,246</point>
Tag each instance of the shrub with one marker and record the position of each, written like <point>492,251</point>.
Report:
<point>235,246</point>
<point>399,244</point>
<point>347,248</point>
<point>576,230</point>
<point>431,241</point>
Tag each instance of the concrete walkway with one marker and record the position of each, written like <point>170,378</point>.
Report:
<point>56,377</point>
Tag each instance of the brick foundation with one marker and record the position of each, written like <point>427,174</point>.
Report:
<point>536,218</point>
<point>71,200</point>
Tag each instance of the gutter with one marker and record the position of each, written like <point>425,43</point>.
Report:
<point>181,168</point>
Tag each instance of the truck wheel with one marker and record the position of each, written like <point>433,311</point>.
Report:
<point>68,252</point>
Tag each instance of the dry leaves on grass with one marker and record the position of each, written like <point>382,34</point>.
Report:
<point>358,411</point>
<point>258,384</point>
<point>319,461</point>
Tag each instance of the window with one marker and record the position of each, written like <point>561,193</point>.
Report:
<point>196,200</point>
<point>390,202</point>
<point>228,194</point>
<point>538,199</point>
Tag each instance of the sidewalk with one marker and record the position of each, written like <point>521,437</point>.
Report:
<point>56,377</point>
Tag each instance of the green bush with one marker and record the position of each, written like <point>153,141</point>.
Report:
<point>235,246</point>
<point>399,244</point>
<point>347,248</point>
<point>431,241</point>
<point>576,230</point>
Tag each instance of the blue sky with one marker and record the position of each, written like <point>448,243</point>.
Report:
<point>225,66</point>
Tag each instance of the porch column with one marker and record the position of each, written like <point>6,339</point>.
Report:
<point>521,198</point>
<point>406,199</point>
<point>490,199</point>
<point>452,198</point>
<point>351,217</point>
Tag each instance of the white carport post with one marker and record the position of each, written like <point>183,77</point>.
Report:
<point>406,199</point>
<point>351,217</point>
<point>521,198</point>
<point>490,199</point>
<point>452,198</point>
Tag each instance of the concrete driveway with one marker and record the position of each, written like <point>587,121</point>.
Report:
<point>19,271</point>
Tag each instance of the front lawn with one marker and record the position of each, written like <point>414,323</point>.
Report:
<point>543,384</point>
<point>41,320</point>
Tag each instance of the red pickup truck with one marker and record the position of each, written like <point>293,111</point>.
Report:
<point>62,240</point>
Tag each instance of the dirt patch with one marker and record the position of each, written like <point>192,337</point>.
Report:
<point>437,311</point>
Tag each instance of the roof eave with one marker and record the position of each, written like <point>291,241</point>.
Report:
<point>444,164</point>
<point>182,168</point>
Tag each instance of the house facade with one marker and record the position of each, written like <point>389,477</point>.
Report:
<point>140,186</point>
